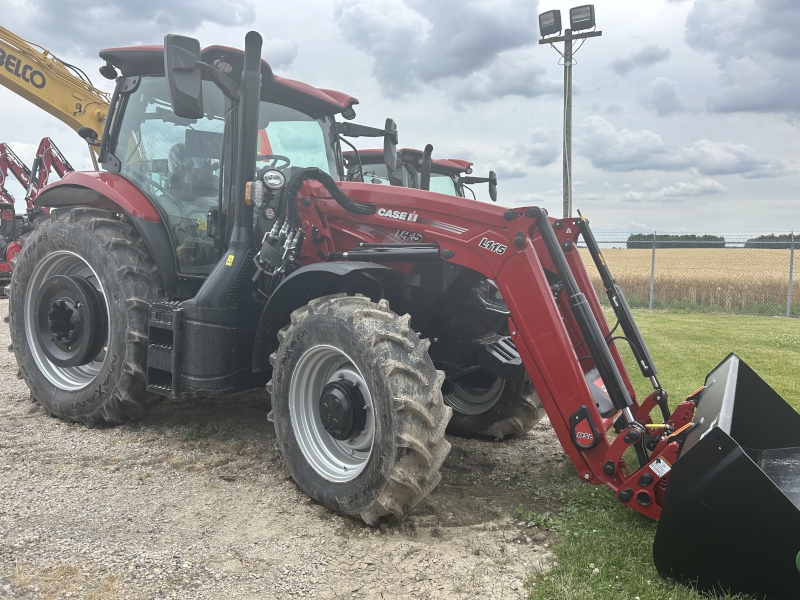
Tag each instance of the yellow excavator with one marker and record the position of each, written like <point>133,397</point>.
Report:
<point>67,93</point>
<point>61,89</point>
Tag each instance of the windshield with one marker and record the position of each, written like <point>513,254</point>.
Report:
<point>373,173</point>
<point>378,173</point>
<point>443,184</point>
<point>176,162</point>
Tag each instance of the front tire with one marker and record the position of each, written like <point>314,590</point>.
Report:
<point>84,364</point>
<point>338,353</point>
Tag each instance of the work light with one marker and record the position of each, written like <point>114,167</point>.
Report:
<point>550,22</point>
<point>581,17</point>
<point>274,179</point>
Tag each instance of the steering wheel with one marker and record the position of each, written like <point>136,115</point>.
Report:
<point>275,158</point>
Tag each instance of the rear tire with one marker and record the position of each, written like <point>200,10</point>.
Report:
<point>390,461</point>
<point>503,409</point>
<point>97,247</point>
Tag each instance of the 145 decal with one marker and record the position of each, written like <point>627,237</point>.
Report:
<point>409,236</point>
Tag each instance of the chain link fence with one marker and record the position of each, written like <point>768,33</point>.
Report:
<point>723,275</point>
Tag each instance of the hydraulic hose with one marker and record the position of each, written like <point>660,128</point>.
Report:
<point>342,199</point>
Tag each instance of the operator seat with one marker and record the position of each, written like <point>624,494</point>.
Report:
<point>190,177</point>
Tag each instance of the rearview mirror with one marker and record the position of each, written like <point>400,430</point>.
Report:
<point>184,75</point>
<point>390,145</point>
<point>493,186</point>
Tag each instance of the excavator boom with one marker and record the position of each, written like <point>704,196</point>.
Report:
<point>60,89</point>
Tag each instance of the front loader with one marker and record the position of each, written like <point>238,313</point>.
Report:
<point>200,263</point>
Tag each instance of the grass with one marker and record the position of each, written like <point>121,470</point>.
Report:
<point>605,549</point>
<point>737,280</point>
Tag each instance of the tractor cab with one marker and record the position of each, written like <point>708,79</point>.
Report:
<point>183,165</point>
<point>447,176</point>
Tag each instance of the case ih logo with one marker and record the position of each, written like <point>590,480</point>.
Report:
<point>584,436</point>
<point>396,214</point>
<point>25,72</point>
<point>492,246</point>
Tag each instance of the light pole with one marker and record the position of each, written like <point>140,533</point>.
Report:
<point>581,18</point>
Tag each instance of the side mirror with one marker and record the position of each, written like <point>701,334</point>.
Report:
<point>390,145</point>
<point>184,75</point>
<point>493,186</point>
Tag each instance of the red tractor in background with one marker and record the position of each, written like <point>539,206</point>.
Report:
<point>206,260</point>
<point>10,224</point>
<point>12,227</point>
<point>417,169</point>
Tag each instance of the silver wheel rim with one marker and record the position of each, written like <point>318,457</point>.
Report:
<point>468,400</point>
<point>62,263</point>
<point>338,461</point>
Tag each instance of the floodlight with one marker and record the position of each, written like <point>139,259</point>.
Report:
<point>550,22</point>
<point>581,17</point>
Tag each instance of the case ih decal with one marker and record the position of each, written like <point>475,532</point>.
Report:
<point>492,246</point>
<point>397,214</point>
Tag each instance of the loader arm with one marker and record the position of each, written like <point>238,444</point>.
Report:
<point>48,158</point>
<point>10,162</point>
<point>556,321</point>
<point>40,77</point>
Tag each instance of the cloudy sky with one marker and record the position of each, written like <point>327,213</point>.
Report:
<point>686,114</point>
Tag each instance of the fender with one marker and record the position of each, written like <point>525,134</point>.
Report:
<point>114,192</point>
<point>315,281</point>
<point>103,190</point>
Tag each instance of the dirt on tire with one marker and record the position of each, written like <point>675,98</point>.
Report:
<point>194,501</point>
<point>402,465</point>
<point>114,253</point>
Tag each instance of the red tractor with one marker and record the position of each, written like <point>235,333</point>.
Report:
<point>48,158</point>
<point>416,169</point>
<point>221,249</point>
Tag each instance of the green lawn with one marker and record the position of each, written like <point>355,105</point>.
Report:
<point>605,551</point>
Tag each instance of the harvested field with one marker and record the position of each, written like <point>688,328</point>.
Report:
<point>741,280</point>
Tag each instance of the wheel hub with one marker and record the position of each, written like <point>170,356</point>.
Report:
<point>71,321</point>
<point>342,409</point>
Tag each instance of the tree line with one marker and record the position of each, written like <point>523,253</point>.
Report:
<point>645,240</point>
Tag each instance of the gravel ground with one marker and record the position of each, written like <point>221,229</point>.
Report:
<point>193,501</point>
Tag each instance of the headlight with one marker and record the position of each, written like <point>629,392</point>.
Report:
<point>274,179</point>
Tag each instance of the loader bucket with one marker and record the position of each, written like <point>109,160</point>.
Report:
<point>731,516</point>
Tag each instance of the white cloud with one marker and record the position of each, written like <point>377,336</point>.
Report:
<point>279,53</point>
<point>463,46</point>
<point>508,170</point>
<point>510,74</point>
<point>629,150</point>
<point>661,96</point>
<point>757,49</point>
<point>542,148</point>
<point>72,26</point>
<point>675,192</point>
<point>640,59</point>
